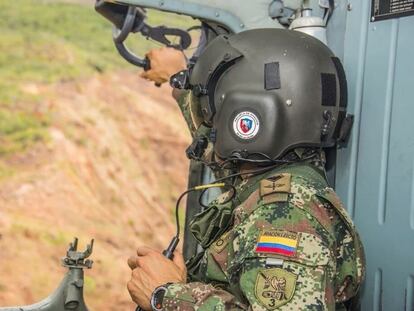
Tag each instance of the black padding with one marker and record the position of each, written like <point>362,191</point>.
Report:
<point>341,117</point>
<point>343,96</point>
<point>328,81</point>
<point>272,76</point>
<point>212,83</point>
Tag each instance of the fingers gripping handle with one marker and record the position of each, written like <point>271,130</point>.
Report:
<point>147,66</point>
<point>131,19</point>
<point>169,253</point>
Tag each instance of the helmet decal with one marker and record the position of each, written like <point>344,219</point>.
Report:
<point>246,125</point>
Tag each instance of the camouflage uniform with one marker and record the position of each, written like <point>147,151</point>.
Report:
<point>285,242</point>
<point>190,109</point>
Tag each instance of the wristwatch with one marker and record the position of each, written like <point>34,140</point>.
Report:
<point>158,296</point>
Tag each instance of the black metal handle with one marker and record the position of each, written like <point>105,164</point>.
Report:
<point>133,22</point>
<point>169,252</point>
<point>131,57</point>
<point>119,35</point>
<point>131,19</point>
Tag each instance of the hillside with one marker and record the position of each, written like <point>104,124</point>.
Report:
<point>87,149</point>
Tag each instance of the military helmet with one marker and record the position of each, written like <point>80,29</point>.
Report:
<point>266,91</point>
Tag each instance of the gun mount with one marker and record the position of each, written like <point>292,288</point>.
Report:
<point>69,294</point>
<point>75,259</point>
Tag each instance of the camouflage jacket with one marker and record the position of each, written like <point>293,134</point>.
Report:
<point>285,242</point>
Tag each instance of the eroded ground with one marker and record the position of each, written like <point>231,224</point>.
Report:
<point>111,168</point>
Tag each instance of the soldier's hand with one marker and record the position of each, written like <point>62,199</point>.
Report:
<point>164,62</point>
<point>151,269</point>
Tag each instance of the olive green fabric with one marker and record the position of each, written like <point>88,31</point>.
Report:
<point>211,223</point>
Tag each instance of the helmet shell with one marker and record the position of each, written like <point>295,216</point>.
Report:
<point>268,91</point>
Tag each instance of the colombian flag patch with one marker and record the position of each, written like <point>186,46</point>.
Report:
<point>280,242</point>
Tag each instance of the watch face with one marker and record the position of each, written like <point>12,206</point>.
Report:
<point>157,298</point>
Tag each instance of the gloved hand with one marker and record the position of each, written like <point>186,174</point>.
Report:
<point>164,63</point>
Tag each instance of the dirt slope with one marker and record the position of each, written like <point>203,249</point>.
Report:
<point>111,170</point>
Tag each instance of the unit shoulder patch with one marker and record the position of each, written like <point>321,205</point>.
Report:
<point>278,242</point>
<point>275,287</point>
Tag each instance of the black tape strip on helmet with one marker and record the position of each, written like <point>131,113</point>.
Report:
<point>345,120</point>
<point>343,96</point>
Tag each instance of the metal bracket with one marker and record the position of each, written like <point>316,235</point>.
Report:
<point>75,259</point>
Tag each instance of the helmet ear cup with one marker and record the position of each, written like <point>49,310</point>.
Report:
<point>267,91</point>
<point>247,121</point>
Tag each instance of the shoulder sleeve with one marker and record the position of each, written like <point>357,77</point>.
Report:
<point>190,110</point>
<point>200,297</point>
<point>351,256</point>
<point>282,255</point>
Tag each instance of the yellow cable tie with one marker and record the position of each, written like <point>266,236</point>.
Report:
<point>217,185</point>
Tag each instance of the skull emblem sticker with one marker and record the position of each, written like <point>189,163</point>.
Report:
<point>246,125</point>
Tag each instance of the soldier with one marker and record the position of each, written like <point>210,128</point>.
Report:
<point>268,102</point>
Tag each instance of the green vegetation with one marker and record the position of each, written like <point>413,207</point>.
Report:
<point>36,229</point>
<point>48,41</point>
<point>56,238</point>
<point>19,129</point>
<point>5,171</point>
<point>90,284</point>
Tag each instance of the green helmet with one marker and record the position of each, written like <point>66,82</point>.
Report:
<point>265,92</point>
